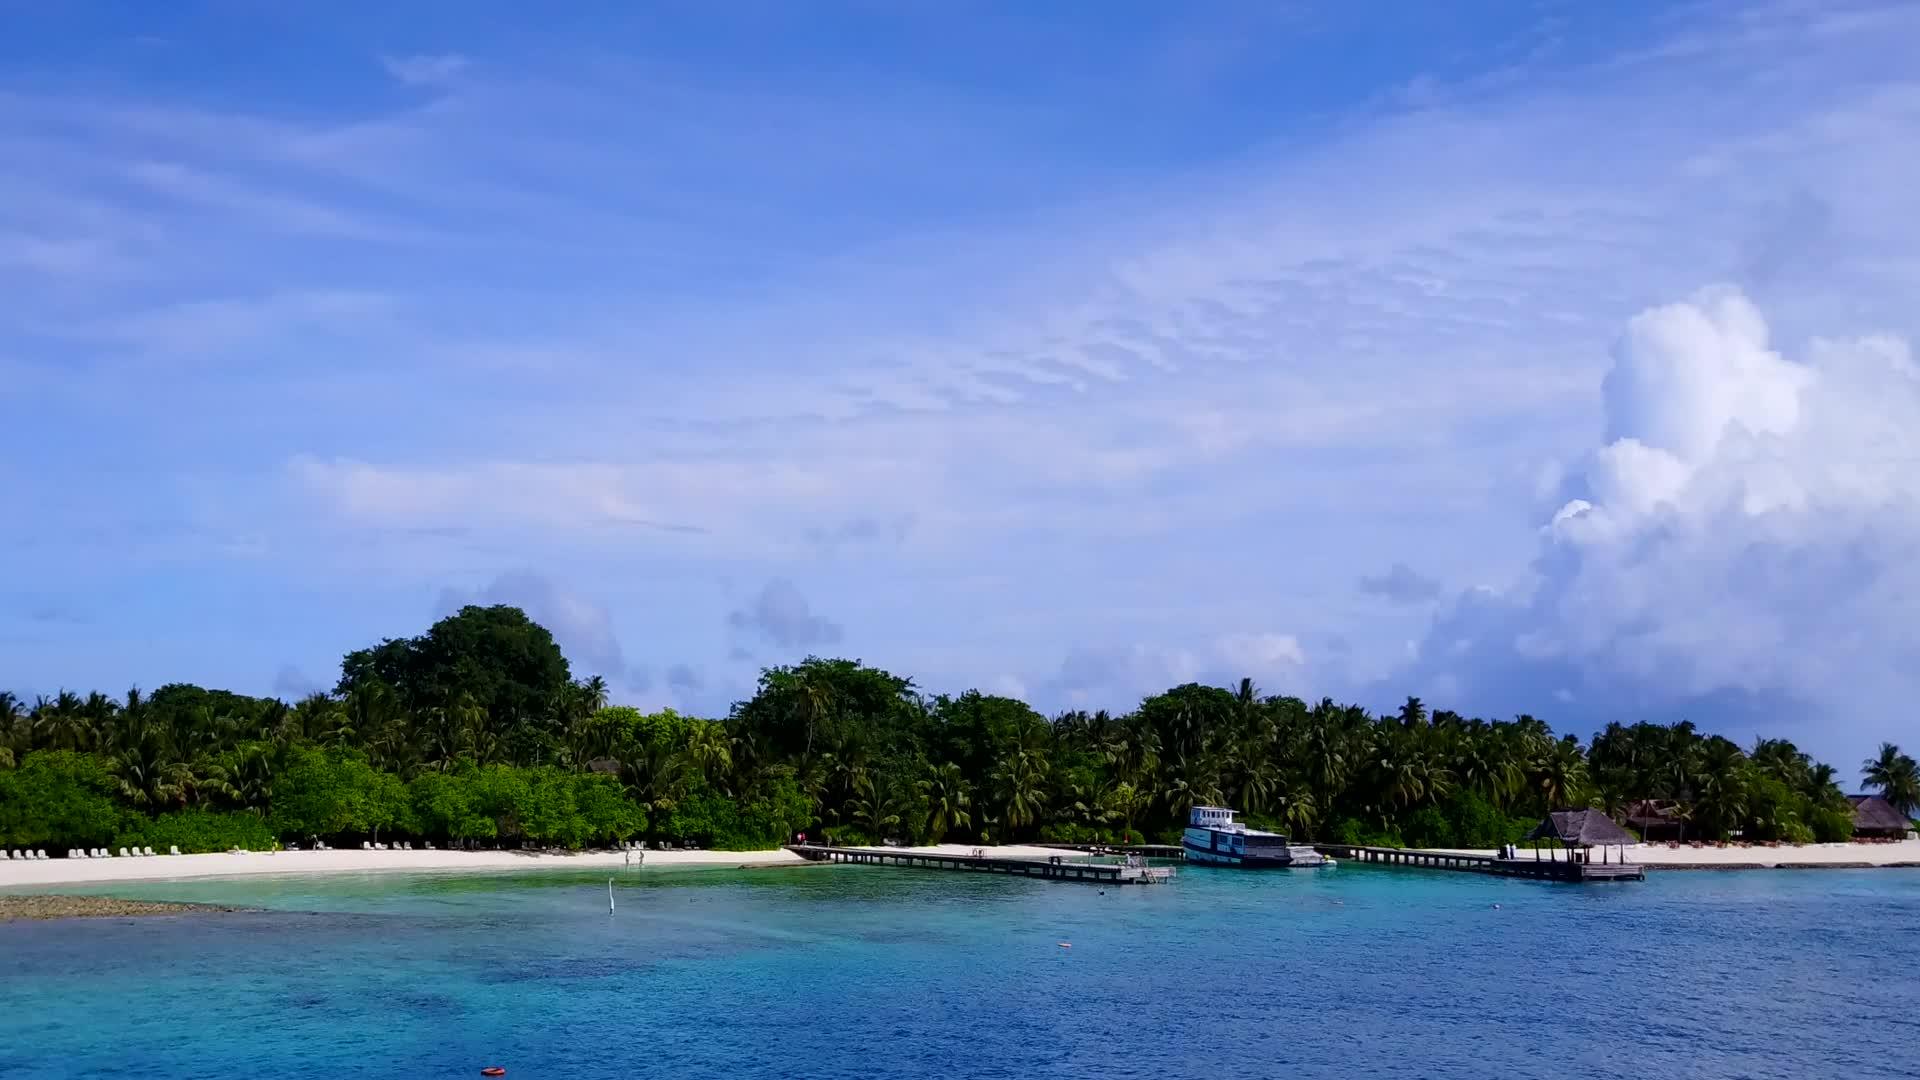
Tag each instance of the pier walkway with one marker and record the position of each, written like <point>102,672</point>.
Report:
<point>1056,868</point>
<point>1151,851</point>
<point>1538,869</point>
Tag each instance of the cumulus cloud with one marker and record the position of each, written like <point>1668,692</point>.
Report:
<point>782,616</point>
<point>1745,534</point>
<point>582,627</point>
<point>1401,584</point>
<point>1117,677</point>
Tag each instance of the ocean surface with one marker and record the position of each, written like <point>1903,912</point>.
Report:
<point>861,972</point>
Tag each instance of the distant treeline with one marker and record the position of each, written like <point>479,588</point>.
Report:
<point>476,732</point>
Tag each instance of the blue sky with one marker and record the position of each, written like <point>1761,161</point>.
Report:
<point>1527,357</point>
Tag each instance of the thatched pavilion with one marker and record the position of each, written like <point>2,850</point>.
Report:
<point>1875,818</point>
<point>1580,831</point>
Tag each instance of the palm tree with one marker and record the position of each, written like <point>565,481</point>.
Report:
<point>709,750</point>
<point>948,796</point>
<point>594,693</point>
<point>1560,774</point>
<point>1896,775</point>
<point>1720,802</point>
<point>1823,786</point>
<point>814,703</point>
<point>16,732</point>
<point>1125,802</point>
<point>1020,784</point>
<point>874,807</point>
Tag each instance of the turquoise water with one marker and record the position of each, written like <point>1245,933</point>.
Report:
<point>868,972</point>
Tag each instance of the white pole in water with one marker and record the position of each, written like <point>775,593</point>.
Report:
<point>609,896</point>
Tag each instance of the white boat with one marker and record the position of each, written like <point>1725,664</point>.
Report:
<point>1213,838</point>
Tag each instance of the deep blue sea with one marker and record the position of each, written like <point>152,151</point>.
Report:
<point>860,972</point>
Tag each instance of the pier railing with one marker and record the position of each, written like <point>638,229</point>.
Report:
<point>1566,869</point>
<point>1056,868</point>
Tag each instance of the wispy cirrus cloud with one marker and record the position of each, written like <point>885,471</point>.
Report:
<point>1130,388</point>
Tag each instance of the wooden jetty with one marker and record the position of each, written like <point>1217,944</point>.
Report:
<point>1054,868</point>
<point>1151,851</point>
<point>1537,869</point>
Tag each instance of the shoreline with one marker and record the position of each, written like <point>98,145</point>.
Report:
<point>1902,855</point>
<point>31,878</point>
<point>16,876</point>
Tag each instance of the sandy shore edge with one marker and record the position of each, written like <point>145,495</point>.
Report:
<point>1902,855</point>
<point>16,875</point>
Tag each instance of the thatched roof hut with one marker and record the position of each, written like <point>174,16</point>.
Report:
<point>1656,819</point>
<point>1582,828</point>
<point>1875,816</point>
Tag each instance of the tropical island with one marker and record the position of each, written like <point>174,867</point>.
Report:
<point>476,733</point>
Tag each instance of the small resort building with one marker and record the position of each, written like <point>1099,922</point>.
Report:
<point>1656,820</point>
<point>1580,831</point>
<point>1874,818</point>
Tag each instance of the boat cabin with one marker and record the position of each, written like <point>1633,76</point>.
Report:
<point>1217,818</point>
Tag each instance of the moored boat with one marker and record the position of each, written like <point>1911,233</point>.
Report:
<point>1214,838</point>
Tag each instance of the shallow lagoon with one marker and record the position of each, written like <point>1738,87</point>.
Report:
<point>868,972</point>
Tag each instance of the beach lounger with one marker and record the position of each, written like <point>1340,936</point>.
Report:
<point>123,853</point>
<point>4,857</point>
<point>40,853</point>
<point>146,851</point>
<point>365,846</point>
<point>173,851</point>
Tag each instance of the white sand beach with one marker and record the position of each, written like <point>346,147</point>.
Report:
<point>1807,855</point>
<point>52,872</point>
<point>15,873</point>
<point>165,867</point>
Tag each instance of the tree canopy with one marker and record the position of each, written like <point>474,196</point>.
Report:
<point>475,732</point>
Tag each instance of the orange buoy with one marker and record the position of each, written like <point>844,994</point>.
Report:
<point>493,1070</point>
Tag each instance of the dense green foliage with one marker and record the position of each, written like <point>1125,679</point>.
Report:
<point>475,732</point>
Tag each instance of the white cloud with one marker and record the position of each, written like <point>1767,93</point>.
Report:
<point>1261,653</point>
<point>1117,677</point>
<point>582,627</point>
<point>1750,529</point>
<point>779,614</point>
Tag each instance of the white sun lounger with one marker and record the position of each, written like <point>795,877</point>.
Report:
<point>173,851</point>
